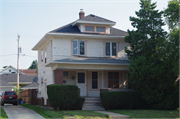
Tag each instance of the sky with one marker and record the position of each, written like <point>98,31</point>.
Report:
<point>32,19</point>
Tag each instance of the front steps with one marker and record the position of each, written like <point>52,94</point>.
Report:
<point>93,103</point>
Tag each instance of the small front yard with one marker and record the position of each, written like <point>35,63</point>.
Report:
<point>3,114</point>
<point>149,113</point>
<point>79,114</point>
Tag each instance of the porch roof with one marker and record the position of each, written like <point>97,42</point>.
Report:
<point>95,61</point>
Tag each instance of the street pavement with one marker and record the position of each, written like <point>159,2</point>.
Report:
<point>20,112</point>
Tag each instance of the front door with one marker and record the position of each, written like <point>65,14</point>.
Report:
<point>81,83</point>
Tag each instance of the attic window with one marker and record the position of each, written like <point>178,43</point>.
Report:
<point>89,28</point>
<point>9,70</point>
<point>100,29</point>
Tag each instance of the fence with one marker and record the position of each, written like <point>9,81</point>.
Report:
<point>29,96</point>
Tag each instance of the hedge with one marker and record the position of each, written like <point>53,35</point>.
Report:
<point>62,96</point>
<point>79,104</point>
<point>122,100</point>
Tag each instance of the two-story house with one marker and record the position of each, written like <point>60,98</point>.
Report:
<point>88,53</point>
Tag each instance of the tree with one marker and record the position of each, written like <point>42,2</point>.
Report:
<point>150,70</point>
<point>171,14</point>
<point>34,65</point>
<point>4,67</point>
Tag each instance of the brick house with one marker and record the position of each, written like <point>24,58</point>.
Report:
<point>88,53</point>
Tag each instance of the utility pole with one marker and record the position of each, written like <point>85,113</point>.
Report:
<point>18,65</point>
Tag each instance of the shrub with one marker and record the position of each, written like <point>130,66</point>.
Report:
<point>122,100</point>
<point>79,103</point>
<point>62,96</point>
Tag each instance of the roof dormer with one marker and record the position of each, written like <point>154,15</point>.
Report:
<point>93,24</point>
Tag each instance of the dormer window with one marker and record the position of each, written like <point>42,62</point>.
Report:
<point>100,29</point>
<point>95,29</point>
<point>89,28</point>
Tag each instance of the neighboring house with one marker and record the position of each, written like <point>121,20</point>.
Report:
<point>10,69</point>
<point>12,79</point>
<point>29,71</point>
<point>5,86</point>
<point>33,85</point>
<point>88,53</point>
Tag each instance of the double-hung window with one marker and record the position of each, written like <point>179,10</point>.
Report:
<point>94,80</point>
<point>110,49</point>
<point>78,47</point>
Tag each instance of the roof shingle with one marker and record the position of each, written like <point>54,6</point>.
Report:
<point>75,30</point>
<point>13,78</point>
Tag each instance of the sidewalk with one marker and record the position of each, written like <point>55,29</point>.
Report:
<point>115,115</point>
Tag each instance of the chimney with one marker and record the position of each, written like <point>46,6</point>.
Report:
<point>81,14</point>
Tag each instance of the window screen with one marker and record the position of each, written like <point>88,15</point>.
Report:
<point>81,77</point>
<point>113,49</point>
<point>75,47</point>
<point>82,48</point>
<point>107,48</point>
<point>113,79</point>
<point>94,80</point>
<point>65,74</point>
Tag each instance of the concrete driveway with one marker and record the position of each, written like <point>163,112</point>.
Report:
<point>19,112</point>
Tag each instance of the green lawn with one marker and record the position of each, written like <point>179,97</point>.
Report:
<point>44,112</point>
<point>79,114</point>
<point>149,113</point>
<point>86,114</point>
<point>3,114</point>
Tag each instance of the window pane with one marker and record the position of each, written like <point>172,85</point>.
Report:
<point>89,28</point>
<point>75,47</point>
<point>100,29</point>
<point>65,73</point>
<point>113,79</point>
<point>94,84</point>
<point>81,78</point>
<point>94,75</point>
<point>116,80</point>
<point>82,48</point>
<point>113,49</point>
<point>107,48</point>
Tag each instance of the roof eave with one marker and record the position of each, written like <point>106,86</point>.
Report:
<point>85,63</point>
<point>91,22</point>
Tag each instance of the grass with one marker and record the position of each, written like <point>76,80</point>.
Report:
<point>149,113</point>
<point>3,114</point>
<point>79,114</point>
<point>44,112</point>
<point>86,114</point>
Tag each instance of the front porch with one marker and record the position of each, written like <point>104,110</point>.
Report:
<point>92,82</point>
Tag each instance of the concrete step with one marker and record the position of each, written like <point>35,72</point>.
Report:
<point>91,101</point>
<point>94,109</point>
<point>92,104</point>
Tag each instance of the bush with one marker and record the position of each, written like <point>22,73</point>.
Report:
<point>122,100</point>
<point>79,104</point>
<point>62,96</point>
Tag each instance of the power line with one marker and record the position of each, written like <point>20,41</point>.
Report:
<point>9,59</point>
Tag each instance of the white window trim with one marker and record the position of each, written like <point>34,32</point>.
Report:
<point>78,47</point>
<point>111,49</point>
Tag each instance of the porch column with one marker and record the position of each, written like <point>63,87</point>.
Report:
<point>58,74</point>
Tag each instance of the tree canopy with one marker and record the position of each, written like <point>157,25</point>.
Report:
<point>150,72</point>
<point>34,65</point>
